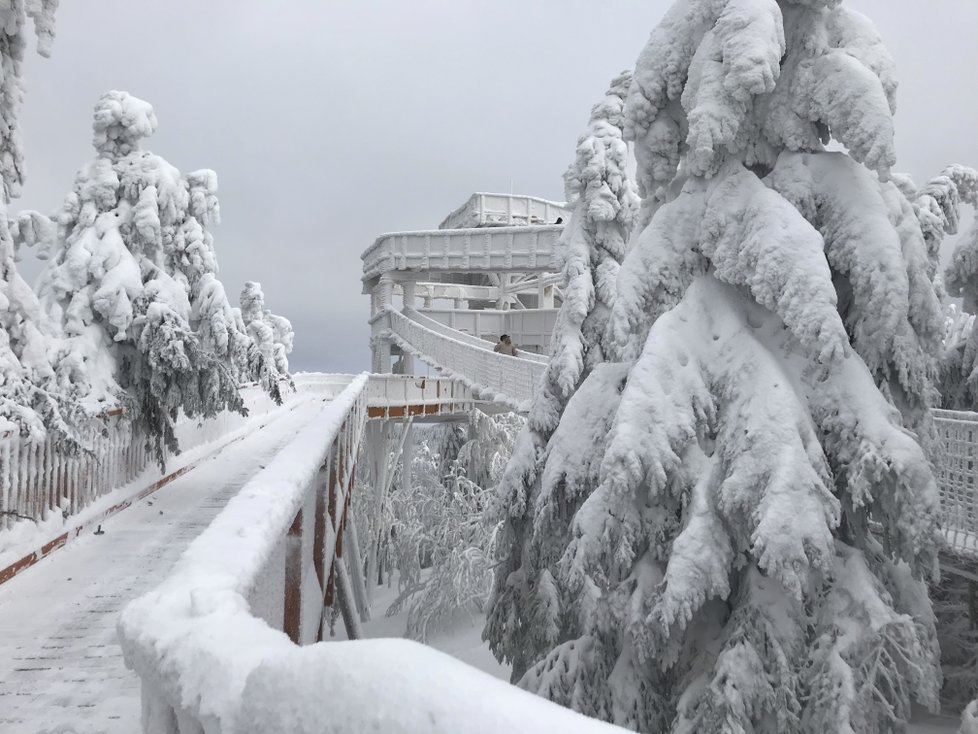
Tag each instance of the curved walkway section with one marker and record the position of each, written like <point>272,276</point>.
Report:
<point>462,337</point>
<point>61,668</point>
<point>497,377</point>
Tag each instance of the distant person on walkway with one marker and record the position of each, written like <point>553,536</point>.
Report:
<point>560,220</point>
<point>505,346</point>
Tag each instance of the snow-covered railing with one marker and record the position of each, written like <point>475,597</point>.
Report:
<point>255,582</point>
<point>499,249</point>
<point>498,377</point>
<point>956,465</point>
<point>37,478</point>
<point>499,210</point>
<point>469,326</point>
<point>230,642</point>
<point>480,322</point>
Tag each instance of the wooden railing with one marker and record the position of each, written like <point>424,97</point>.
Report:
<point>263,573</point>
<point>37,479</point>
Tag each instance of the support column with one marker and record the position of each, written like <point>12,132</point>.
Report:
<point>380,345</point>
<point>407,455</point>
<point>381,358</point>
<point>377,448</point>
<point>545,296</point>
<point>502,302</point>
<point>409,289</point>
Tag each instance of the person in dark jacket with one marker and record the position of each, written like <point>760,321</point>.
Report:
<point>505,346</point>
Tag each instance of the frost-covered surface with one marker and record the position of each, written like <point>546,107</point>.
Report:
<point>495,210</point>
<point>202,653</point>
<point>395,686</point>
<point>492,376</point>
<point>131,282</point>
<point>194,639</point>
<point>442,528</point>
<point>736,516</point>
<point>461,336</point>
<point>523,249</point>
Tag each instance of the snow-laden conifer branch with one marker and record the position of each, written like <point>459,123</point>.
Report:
<point>745,548</point>
<point>590,251</point>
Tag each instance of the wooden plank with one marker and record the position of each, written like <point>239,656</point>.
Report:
<point>76,474</point>
<point>292,618</point>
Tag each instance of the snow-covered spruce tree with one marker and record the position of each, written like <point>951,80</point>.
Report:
<point>272,334</point>
<point>130,271</point>
<point>590,251</point>
<point>30,396</point>
<point>959,364</point>
<point>760,517</point>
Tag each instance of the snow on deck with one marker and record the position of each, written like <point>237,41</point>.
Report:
<point>61,667</point>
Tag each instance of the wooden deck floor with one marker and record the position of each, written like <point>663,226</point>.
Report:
<point>61,668</point>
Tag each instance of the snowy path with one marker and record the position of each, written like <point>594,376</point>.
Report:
<point>61,667</point>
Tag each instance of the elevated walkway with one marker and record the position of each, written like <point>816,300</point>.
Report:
<point>61,668</point>
<point>498,378</point>
<point>526,249</point>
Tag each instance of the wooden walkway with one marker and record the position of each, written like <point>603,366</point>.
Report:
<point>61,668</point>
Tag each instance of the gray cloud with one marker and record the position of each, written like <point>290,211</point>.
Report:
<point>331,122</point>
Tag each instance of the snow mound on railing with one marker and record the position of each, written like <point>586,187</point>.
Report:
<point>195,636</point>
<point>395,687</point>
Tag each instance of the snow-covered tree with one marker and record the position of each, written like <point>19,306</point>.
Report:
<point>272,334</point>
<point>14,17</point>
<point>444,525</point>
<point>746,545</point>
<point>590,251</point>
<point>941,214</point>
<point>131,269</point>
<point>29,392</point>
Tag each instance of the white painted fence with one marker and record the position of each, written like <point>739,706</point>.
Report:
<point>497,377</point>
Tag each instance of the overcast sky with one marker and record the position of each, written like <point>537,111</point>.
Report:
<point>331,121</point>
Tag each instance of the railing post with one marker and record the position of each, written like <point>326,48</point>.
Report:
<point>378,440</point>
<point>319,537</point>
<point>292,619</point>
